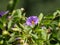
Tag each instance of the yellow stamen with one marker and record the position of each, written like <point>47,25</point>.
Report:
<point>32,22</point>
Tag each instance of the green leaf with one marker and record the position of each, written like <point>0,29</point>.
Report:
<point>35,36</point>
<point>12,39</point>
<point>48,17</point>
<point>40,17</point>
<point>1,25</point>
<point>57,44</point>
<point>46,22</point>
<point>44,34</point>
<point>9,24</point>
<point>17,13</point>
<point>58,35</point>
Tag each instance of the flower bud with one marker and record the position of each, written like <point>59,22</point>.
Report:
<point>5,32</point>
<point>22,9</point>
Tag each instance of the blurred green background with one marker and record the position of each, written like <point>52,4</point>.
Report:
<point>3,4</point>
<point>34,7</point>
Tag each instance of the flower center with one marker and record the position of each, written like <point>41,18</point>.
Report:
<point>32,22</point>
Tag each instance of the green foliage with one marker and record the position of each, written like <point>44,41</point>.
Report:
<point>14,31</point>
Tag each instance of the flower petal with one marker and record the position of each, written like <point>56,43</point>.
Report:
<point>30,19</point>
<point>3,13</point>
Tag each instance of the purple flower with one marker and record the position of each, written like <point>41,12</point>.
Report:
<point>3,13</point>
<point>32,20</point>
